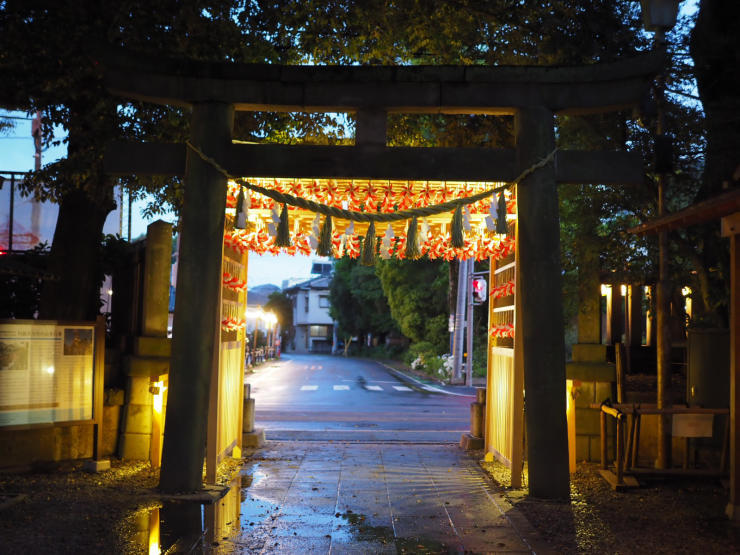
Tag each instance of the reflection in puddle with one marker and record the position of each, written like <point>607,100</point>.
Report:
<point>186,526</point>
<point>255,515</point>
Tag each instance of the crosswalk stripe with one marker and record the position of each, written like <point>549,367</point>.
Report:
<point>401,388</point>
<point>309,387</point>
<point>374,388</point>
<point>341,388</point>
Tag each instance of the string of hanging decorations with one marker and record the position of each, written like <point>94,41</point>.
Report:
<point>392,207</point>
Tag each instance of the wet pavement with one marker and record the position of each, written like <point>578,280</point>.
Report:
<point>314,497</point>
<point>322,398</point>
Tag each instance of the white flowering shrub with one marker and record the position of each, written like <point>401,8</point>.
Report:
<point>445,369</point>
<point>418,363</point>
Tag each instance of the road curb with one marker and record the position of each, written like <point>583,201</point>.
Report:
<point>418,383</point>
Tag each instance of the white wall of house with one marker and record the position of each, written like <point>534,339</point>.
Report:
<point>311,307</point>
<point>312,324</point>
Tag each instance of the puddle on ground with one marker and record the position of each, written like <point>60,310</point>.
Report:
<point>246,518</point>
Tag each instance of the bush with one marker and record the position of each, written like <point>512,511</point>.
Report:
<point>417,351</point>
<point>480,360</point>
<point>379,351</point>
<point>422,356</point>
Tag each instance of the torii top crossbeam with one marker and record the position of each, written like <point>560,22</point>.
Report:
<point>372,93</point>
<point>430,89</point>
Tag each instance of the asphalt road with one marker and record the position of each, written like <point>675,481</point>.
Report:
<point>322,398</point>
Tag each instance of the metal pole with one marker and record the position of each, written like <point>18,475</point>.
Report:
<point>462,282</point>
<point>12,208</point>
<point>469,361</point>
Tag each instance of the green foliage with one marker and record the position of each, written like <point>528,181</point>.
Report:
<point>417,297</point>
<point>358,303</point>
<point>424,349</point>
<point>379,352</point>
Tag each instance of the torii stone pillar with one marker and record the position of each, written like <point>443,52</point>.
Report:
<point>198,287</point>
<point>541,294</point>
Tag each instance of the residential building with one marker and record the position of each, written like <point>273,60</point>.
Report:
<point>313,327</point>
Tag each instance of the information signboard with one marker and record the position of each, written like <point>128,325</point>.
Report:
<point>46,372</point>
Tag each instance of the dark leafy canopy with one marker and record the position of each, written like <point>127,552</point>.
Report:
<point>279,303</point>
<point>61,42</point>
<point>417,296</point>
<point>358,303</point>
<point>52,60</point>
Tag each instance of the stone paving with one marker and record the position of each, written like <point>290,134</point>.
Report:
<point>318,497</point>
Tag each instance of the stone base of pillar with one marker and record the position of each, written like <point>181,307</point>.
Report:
<point>253,439</point>
<point>594,380</point>
<point>471,443</point>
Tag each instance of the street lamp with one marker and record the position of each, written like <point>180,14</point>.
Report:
<point>660,16</point>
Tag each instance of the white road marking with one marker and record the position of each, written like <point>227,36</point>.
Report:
<point>309,387</point>
<point>374,388</point>
<point>401,388</point>
<point>341,388</point>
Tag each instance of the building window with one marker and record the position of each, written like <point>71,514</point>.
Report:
<point>319,331</point>
<point>323,301</point>
<point>306,305</point>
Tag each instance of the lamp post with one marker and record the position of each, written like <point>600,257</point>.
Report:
<point>660,16</point>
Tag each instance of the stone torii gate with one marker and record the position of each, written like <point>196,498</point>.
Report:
<point>533,95</point>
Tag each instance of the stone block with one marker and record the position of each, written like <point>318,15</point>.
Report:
<point>137,419</point>
<point>111,422</point>
<point>135,446</point>
<point>595,448</point>
<point>152,346</point>
<point>591,371</point>
<point>113,397</point>
<point>146,366</point>
<point>137,390</point>
<point>583,446</point>
<point>94,466</point>
<point>604,391</point>
<point>584,393</point>
<point>588,422</point>
<point>589,352</point>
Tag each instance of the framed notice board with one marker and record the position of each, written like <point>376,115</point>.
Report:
<point>46,372</point>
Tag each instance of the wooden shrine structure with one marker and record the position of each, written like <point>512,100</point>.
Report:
<point>533,95</point>
<point>726,208</point>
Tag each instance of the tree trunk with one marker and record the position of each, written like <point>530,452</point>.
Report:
<point>713,41</point>
<point>75,256</point>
